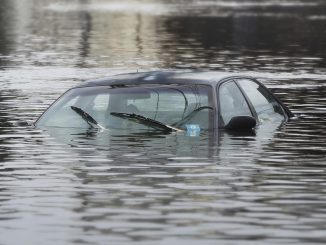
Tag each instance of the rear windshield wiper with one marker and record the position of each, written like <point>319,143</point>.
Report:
<point>145,121</point>
<point>88,118</point>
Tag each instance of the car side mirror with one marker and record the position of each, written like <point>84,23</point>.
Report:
<point>241,123</point>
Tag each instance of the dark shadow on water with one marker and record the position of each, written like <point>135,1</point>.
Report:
<point>250,34</point>
<point>6,30</point>
<point>86,29</point>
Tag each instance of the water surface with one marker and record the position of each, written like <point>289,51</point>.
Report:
<point>86,187</point>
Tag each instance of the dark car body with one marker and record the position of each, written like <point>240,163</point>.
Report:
<point>179,100</point>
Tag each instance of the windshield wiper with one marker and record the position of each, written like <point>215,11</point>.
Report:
<point>88,118</point>
<point>191,115</point>
<point>145,121</point>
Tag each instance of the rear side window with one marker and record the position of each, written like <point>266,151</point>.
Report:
<point>267,108</point>
<point>232,102</point>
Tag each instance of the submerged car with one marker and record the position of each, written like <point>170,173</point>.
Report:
<point>167,101</point>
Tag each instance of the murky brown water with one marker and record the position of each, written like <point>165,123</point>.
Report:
<point>60,187</point>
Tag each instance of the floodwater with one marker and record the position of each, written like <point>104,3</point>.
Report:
<point>75,187</point>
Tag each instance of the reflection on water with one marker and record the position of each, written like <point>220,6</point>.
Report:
<point>60,187</point>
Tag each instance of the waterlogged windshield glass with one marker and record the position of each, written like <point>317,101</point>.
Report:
<point>180,106</point>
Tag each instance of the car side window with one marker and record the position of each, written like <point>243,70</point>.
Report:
<point>232,102</point>
<point>267,108</point>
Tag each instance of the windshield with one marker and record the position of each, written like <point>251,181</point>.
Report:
<point>180,105</point>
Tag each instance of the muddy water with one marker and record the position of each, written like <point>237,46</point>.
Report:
<point>85,187</point>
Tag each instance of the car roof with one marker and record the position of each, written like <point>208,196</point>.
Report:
<point>162,78</point>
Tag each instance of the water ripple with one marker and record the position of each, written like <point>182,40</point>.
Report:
<point>60,186</point>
